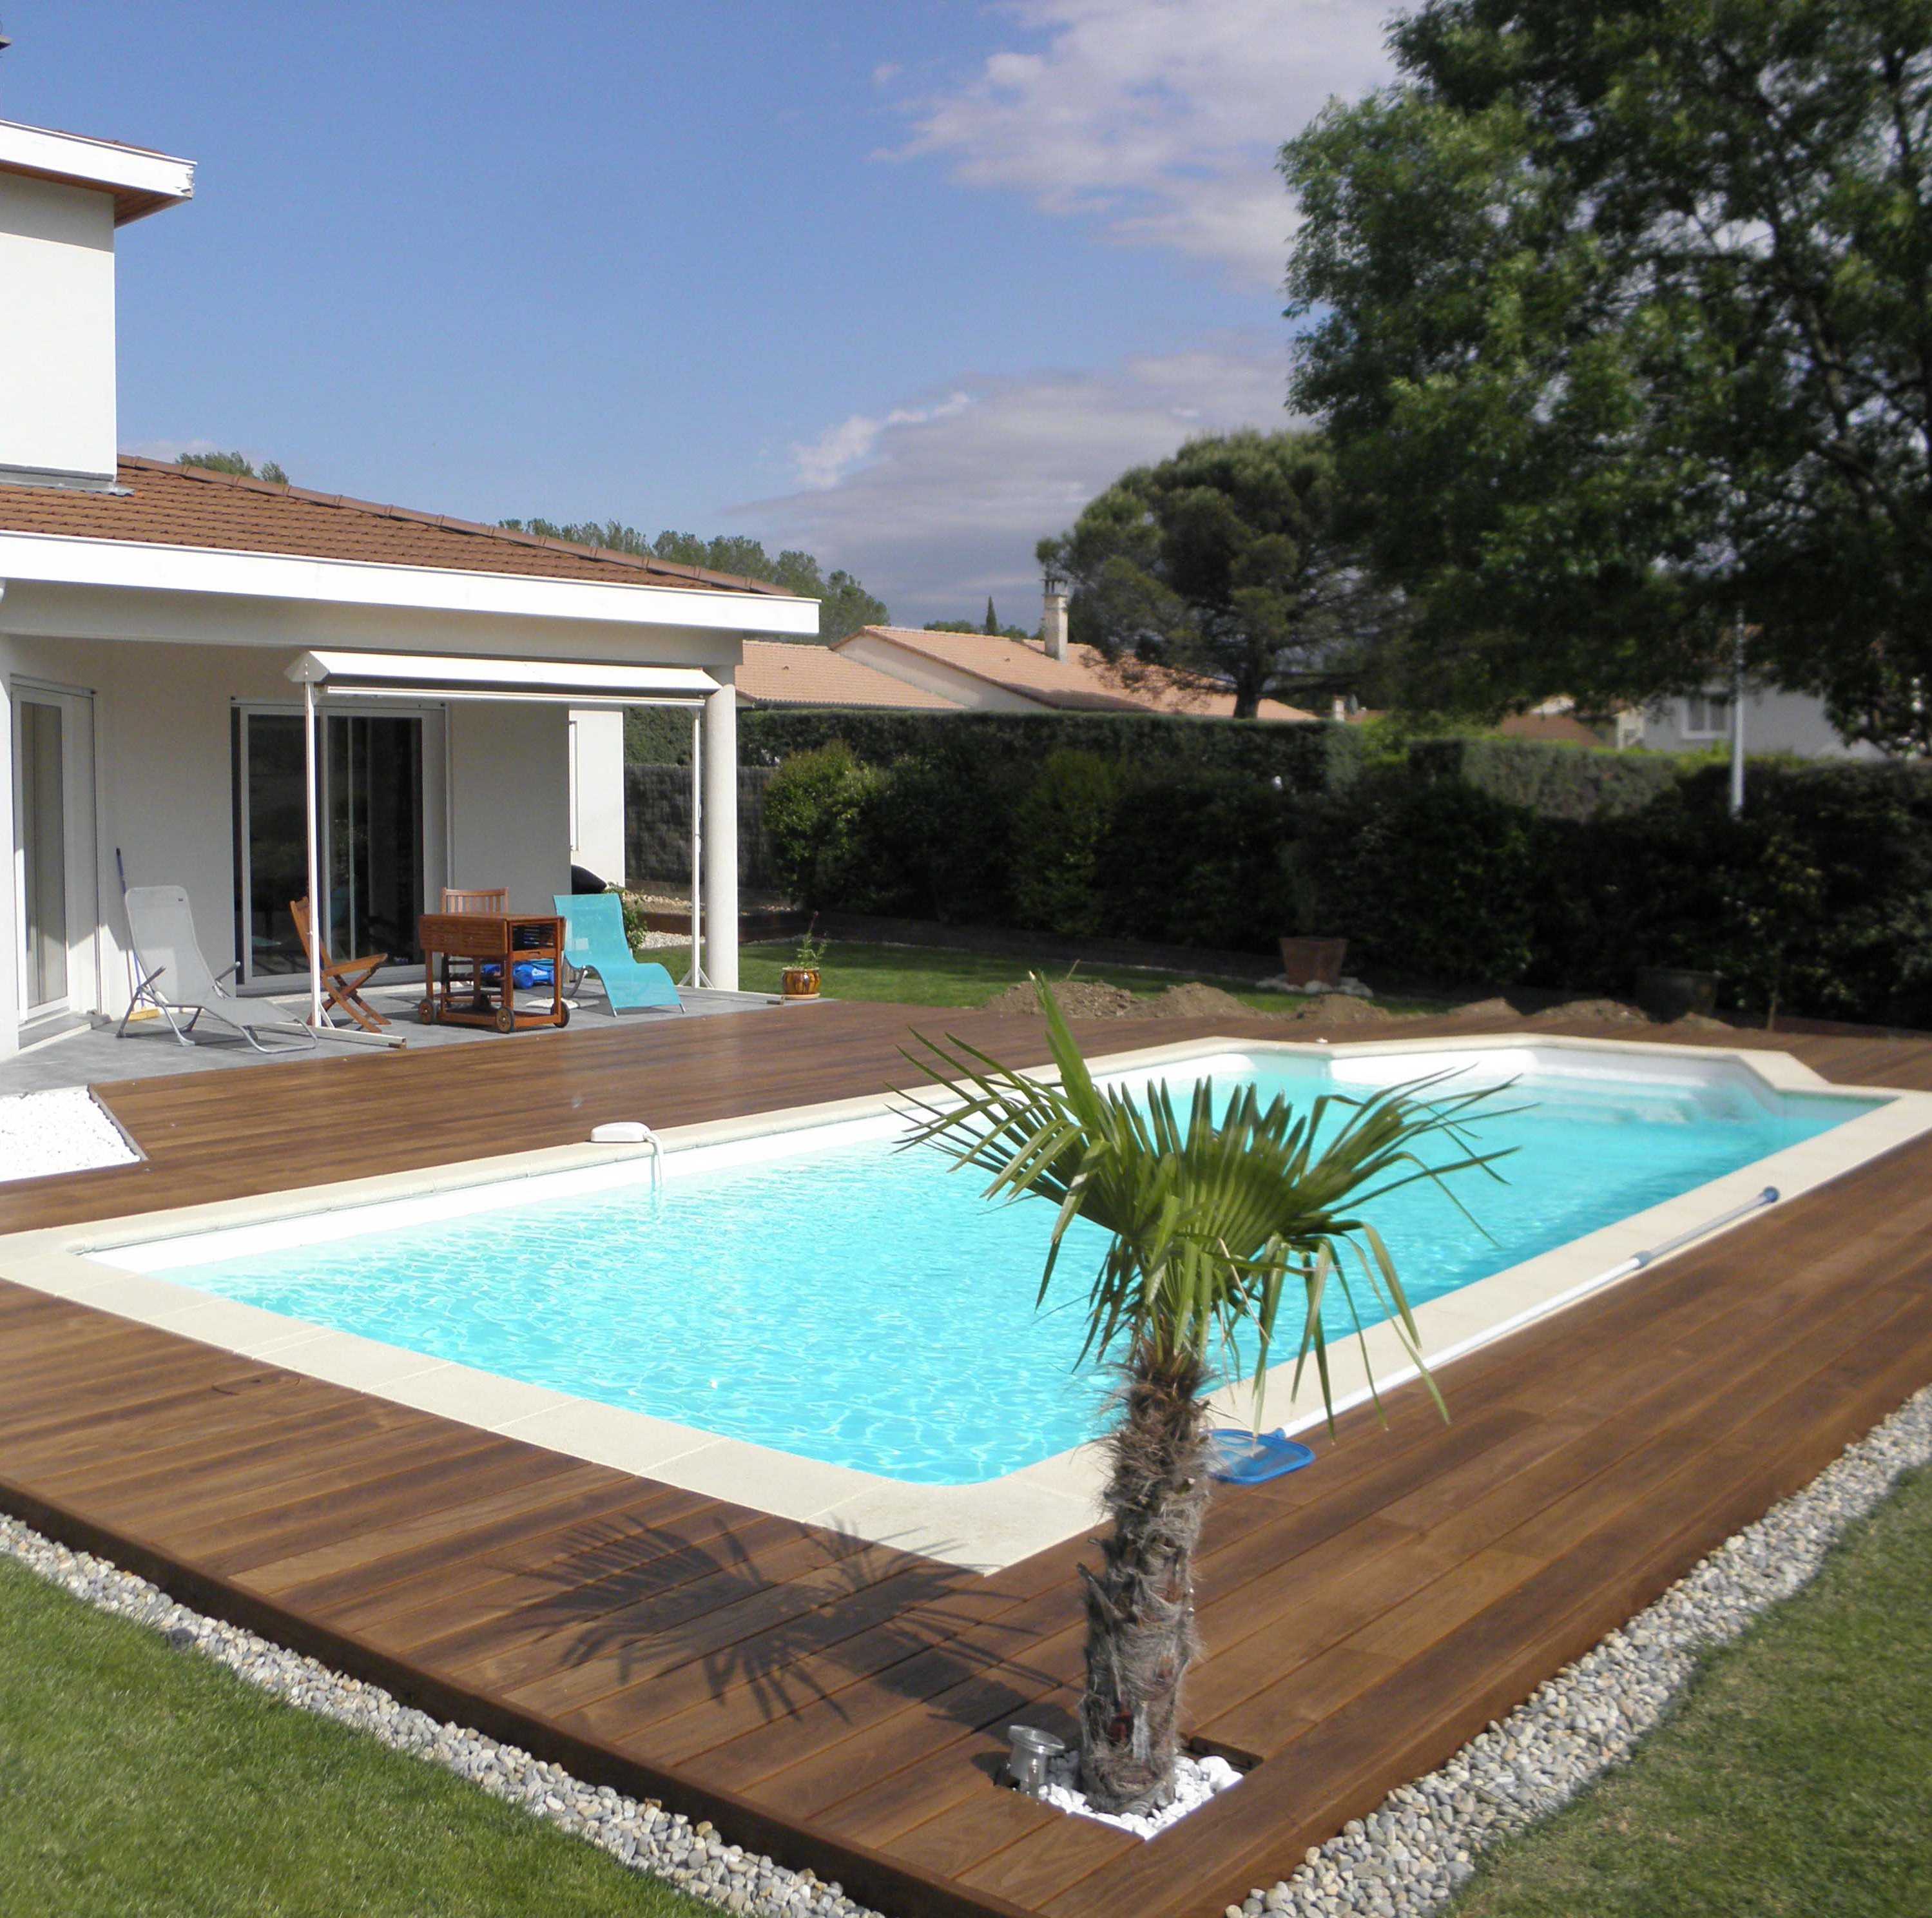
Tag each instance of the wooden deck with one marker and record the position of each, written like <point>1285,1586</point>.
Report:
<point>841,1705</point>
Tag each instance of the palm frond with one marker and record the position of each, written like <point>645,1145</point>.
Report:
<point>1210,1218</point>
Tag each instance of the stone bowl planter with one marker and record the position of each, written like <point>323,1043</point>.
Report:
<point>1313,962</point>
<point>800,981</point>
<point>1666,993</point>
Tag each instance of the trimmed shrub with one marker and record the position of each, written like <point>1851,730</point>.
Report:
<point>815,807</point>
<point>1059,827</point>
<point>1310,757</point>
<point>1193,858</point>
<point>1558,781</point>
<point>1435,881</point>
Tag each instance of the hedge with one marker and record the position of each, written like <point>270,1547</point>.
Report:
<point>1558,781</point>
<point>1314,756</point>
<point>1819,901</point>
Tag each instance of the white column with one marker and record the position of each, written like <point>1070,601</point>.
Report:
<point>721,837</point>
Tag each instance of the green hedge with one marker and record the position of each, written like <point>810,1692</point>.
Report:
<point>1559,781</point>
<point>1819,901</point>
<point>1311,757</point>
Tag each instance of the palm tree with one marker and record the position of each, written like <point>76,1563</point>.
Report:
<point>1212,1222</point>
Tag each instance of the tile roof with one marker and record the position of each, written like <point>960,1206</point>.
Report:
<point>775,674</point>
<point>171,505</point>
<point>1085,680</point>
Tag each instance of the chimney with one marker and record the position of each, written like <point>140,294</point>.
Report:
<point>1053,615</point>
<point>62,198</point>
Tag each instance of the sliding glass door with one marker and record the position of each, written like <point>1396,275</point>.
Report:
<point>382,836</point>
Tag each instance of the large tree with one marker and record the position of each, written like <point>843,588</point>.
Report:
<point>845,604</point>
<point>1231,560</point>
<point>1622,309</point>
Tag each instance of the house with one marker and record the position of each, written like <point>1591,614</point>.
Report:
<point>163,632</point>
<point>983,673</point>
<point>1774,722</point>
<point>772,673</point>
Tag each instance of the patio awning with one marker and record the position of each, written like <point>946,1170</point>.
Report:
<point>433,676</point>
<point>454,677</point>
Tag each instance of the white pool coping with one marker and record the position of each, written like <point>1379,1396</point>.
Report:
<point>984,1527</point>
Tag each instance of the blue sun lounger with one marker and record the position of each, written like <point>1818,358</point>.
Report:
<point>594,940</point>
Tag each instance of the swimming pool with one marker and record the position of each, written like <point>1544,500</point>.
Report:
<point>824,1293</point>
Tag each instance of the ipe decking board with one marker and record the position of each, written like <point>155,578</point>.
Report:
<point>842,1704</point>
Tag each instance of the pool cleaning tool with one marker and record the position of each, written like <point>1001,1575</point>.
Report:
<point>1238,1457</point>
<point>1026,1759</point>
<point>633,1131</point>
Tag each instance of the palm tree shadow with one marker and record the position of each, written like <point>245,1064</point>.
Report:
<point>788,1613</point>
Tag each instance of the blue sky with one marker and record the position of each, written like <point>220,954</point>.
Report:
<point>903,284</point>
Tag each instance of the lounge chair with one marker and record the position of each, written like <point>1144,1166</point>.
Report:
<point>175,980</point>
<point>342,980</point>
<point>594,940</point>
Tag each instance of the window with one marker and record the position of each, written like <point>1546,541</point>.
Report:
<point>1707,716</point>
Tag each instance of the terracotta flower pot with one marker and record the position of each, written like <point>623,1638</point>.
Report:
<point>1313,962</point>
<point>800,982</point>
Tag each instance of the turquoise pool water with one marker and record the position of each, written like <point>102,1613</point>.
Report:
<point>865,1306</point>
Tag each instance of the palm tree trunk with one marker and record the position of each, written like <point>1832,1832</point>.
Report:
<point>1140,1604</point>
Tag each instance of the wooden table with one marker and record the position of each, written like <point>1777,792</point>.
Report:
<point>504,940</point>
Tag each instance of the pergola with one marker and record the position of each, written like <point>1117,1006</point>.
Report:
<point>416,676</point>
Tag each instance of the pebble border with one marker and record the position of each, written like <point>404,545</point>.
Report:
<point>1407,1857</point>
<point>1405,1860</point>
<point>637,1832</point>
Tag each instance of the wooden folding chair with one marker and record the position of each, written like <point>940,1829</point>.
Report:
<point>341,984</point>
<point>494,900</point>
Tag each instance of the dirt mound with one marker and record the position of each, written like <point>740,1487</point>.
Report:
<point>1193,1001</point>
<point>1607,1011</point>
<point>1077,999</point>
<point>1339,1009</point>
<point>1485,1008</point>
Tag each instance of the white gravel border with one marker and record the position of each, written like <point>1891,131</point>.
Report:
<point>1405,1860</point>
<point>64,1130</point>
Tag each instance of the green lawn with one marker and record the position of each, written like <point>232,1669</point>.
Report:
<point>136,1779</point>
<point>933,976</point>
<point>1794,1781</point>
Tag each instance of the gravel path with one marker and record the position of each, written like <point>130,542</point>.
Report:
<point>1404,1861</point>
<point>57,1132</point>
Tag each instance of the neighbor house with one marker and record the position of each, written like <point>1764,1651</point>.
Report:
<point>161,631</point>
<point>985,673</point>
<point>1774,722</point>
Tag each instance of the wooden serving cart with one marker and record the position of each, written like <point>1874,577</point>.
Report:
<point>504,940</point>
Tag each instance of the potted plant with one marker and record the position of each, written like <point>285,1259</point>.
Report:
<point>1308,957</point>
<point>800,979</point>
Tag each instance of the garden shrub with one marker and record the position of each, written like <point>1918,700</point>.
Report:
<point>1059,827</point>
<point>1193,858</point>
<point>937,841</point>
<point>813,807</point>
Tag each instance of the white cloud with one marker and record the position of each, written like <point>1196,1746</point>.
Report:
<point>946,498</point>
<point>1159,119</point>
<point>825,460</point>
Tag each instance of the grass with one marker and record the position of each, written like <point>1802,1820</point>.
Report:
<point>1794,1782</point>
<point>135,1779</point>
<point>936,976</point>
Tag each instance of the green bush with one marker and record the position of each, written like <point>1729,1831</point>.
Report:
<point>1193,858</point>
<point>1429,881</point>
<point>814,811</point>
<point>1558,782</point>
<point>1059,827</point>
<point>1310,757</point>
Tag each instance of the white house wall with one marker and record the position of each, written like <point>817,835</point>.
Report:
<point>57,323</point>
<point>597,782</point>
<point>1774,722</point>
<point>509,801</point>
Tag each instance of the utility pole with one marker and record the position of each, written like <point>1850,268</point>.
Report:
<point>1737,720</point>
